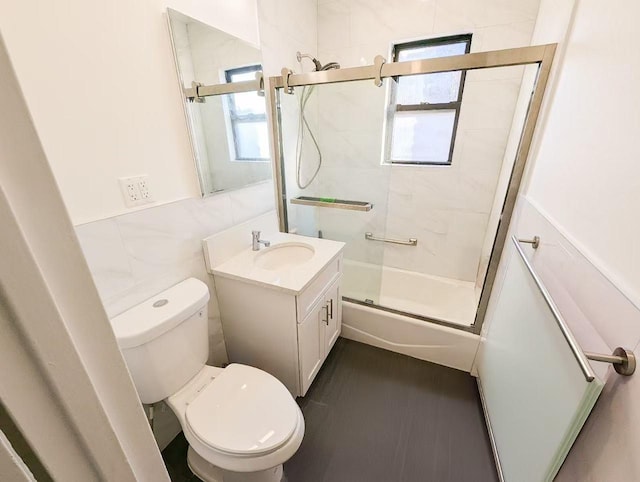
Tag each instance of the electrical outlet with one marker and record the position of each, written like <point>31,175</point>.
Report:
<point>135,190</point>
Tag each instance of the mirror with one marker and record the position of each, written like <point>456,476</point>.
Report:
<point>229,133</point>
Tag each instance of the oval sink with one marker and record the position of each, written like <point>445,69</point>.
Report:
<point>284,256</point>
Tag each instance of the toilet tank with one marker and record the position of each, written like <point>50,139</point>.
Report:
<point>165,340</point>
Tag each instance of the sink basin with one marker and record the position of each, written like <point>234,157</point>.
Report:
<point>284,256</point>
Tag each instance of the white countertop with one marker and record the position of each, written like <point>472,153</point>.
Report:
<point>292,280</point>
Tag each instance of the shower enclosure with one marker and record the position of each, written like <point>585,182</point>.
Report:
<point>424,219</point>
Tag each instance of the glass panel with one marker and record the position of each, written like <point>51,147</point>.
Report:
<point>210,56</point>
<point>430,88</point>
<point>244,76</point>
<point>431,51</point>
<point>452,211</point>
<point>247,103</point>
<point>252,140</point>
<point>422,136</point>
<point>346,120</point>
<point>536,396</point>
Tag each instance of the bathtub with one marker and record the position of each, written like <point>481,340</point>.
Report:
<point>423,295</point>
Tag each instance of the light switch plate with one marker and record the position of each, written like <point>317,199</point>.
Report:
<point>136,190</point>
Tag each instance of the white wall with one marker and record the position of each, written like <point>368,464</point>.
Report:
<point>582,199</point>
<point>446,208</point>
<point>134,255</point>
<point>586,179</point>
<point>101,86</point>
<point>587,171</point>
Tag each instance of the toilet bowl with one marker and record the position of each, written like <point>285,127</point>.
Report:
<point>238,419</point>
<point>241,423</point>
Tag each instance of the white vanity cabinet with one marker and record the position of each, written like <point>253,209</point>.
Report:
<point>317,333</point>
<point>288,325</point>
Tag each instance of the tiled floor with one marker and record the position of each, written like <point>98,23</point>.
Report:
<point>373,415</point>
<point>175,458</point>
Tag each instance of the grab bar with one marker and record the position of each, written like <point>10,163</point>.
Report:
<point>623,360</point>
<point>411,242</point>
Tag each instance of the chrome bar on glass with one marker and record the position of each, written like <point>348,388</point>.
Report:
<point>197,92</point>
<point>588,373</point>
<point>332,203</point>
<point>410,242</point>
<point>623,360</point>
<point>472,61</point>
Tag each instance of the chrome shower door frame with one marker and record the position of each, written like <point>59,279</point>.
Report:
<point>542,55</point>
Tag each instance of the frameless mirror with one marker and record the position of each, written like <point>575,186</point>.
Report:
<point>229,133</point>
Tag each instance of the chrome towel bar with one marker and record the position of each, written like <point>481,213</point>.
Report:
<point>410,242</point>
<point>623,360</point>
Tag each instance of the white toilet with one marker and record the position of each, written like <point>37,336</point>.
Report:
<point>241,423</point>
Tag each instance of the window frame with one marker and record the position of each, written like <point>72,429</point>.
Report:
<point>393,107</point>
<point>235,118</point>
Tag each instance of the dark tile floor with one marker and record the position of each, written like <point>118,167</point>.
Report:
<point>373,415</point>
<point>175,458</point>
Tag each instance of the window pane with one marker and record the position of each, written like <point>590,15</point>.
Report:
<point>247,103</point>
<point>431,51</point>
<point>430,88</point>
<point>243,76</point>
<point>252,140</point>
<point>423,136</point>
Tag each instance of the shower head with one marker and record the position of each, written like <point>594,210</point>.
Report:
<point>317,65</point>
<point>330,66</point>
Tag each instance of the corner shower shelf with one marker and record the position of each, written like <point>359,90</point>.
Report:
<point>332,203</point>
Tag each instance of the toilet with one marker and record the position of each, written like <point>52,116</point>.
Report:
<point>241,423</point>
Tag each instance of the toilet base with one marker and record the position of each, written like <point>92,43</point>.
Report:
<point>210,473</point>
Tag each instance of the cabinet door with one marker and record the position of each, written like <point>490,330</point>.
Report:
<point>333,323</point>
<point>311,344</point>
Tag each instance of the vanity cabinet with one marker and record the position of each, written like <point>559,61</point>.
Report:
<point>317,333</point>
<point>286,332</point>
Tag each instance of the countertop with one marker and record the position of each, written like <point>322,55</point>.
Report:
<point>293,280</point>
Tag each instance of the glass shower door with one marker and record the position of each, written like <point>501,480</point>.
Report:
<point>337,186</point>
<point>537,386</point>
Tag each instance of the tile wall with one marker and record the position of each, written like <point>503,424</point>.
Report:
<point>446,208</point>
<point>135,256</point>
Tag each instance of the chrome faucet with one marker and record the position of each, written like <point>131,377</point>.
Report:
<point>255,245</point>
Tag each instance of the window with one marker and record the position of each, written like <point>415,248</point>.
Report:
<point>423,112</point>
<point>248,118</point>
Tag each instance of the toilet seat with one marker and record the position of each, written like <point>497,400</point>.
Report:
<point>243,411</point>
<point>224,445</point>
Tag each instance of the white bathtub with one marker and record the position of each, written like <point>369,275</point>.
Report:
<point>429,296</point>
<point>424,295</point>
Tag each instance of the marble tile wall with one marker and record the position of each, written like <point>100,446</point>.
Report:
<point>446,208</point>
<point>288,26</point>
<point>134,256</point>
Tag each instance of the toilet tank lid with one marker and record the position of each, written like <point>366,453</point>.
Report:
<point>159,314</point>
